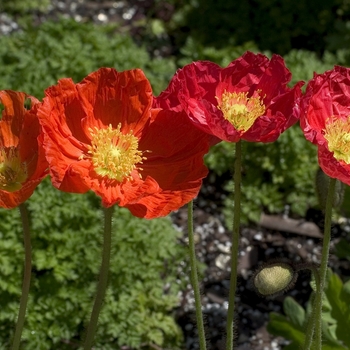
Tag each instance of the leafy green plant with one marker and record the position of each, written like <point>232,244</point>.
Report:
<point>335,317</point>
<point>66,231</point>
<point>284,172</point>
<point>24,6</point>
<point>270,23</point>
<point>342,249</point>
<point>193,50</point>
<point>37,57</point>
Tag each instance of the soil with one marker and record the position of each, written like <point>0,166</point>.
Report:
<point>259,242</point>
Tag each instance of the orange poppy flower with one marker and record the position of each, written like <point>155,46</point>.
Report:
<point>22,159</point>
<point>103,134</point>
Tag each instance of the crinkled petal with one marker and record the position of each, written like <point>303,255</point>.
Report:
<point>20,129</point>
<point>332,167</point>
<point>162,204</point>
<point>327,95</point>
<point>200,86</point>
<point>173,148</point>
<point>176,159</point>
<point>282,113</point>
<point>110,97</point>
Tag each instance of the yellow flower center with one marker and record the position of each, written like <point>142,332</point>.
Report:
<point>337,134</point>
<point>114,154</point>
<point>241,111</point>
<point>12,172</point>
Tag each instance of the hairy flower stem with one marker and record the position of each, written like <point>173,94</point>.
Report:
<point>310,328</point>
<point>194,279</point>
<point>26,277</point>
<point>324,262</point>
<point>235,243</point>
<point>103,278</point>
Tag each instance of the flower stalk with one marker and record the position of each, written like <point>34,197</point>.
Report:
<point>194,279</point>
<point>103,279</point>
<point>26,277</point>
<point>324,263</point>
<point>234,248</point>
<point>310,328</point>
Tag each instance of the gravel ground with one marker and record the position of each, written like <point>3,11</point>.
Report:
<point>258,242</point>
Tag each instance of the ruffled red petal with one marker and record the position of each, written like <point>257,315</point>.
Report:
<point>281,113</point>
<point>332,167</point>
<point>162,204</point>
<point>252,72</point>
<point>326,95</point>
<point>198,87</point>
<point>174,149</point>
<point>19,128</point>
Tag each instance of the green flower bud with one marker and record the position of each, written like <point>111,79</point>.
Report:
<point>274,278</point>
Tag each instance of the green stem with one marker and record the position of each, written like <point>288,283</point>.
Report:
<point>194,279</point>
<point>26,277</point>
<point>310,327</point>
<point>234,248</point>
<point>103,279</point>
<point>324,264</point>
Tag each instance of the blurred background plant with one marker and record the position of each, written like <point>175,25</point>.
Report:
<point>45,40</point>
<point>145,276</point>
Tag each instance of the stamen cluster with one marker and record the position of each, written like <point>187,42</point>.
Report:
<point>114,155</point>
<point>337,133</point>
<point>13,172</point>
<point>240,110</point>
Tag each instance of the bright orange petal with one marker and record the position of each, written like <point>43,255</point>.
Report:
<point>12,117</point>
<point>111,97</point>
<point>161,204</point>
<point>174,149</point>
<point>24,164</point>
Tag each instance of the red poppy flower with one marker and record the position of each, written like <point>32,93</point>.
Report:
<point>22,160</point>
<point>103,134</point>
<point>249,99</point>
<point>325,120</point>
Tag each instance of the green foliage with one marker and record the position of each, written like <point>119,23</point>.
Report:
<point>193,50</point>
<point>304,63</point>
<point>335,317</point>
<point>283,171</point>
<point>271,24</point>
<point>23,6</point>
<point>36,58</point>
<point>342,249</point>
<point>66,242</point>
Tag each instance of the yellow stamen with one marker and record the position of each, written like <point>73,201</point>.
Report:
<point>114,154</point>
<point>12,172</point>
<point>337,133</point>
<point>241,111</point>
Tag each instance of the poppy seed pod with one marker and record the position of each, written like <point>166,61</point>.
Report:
<point>272,279</point>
